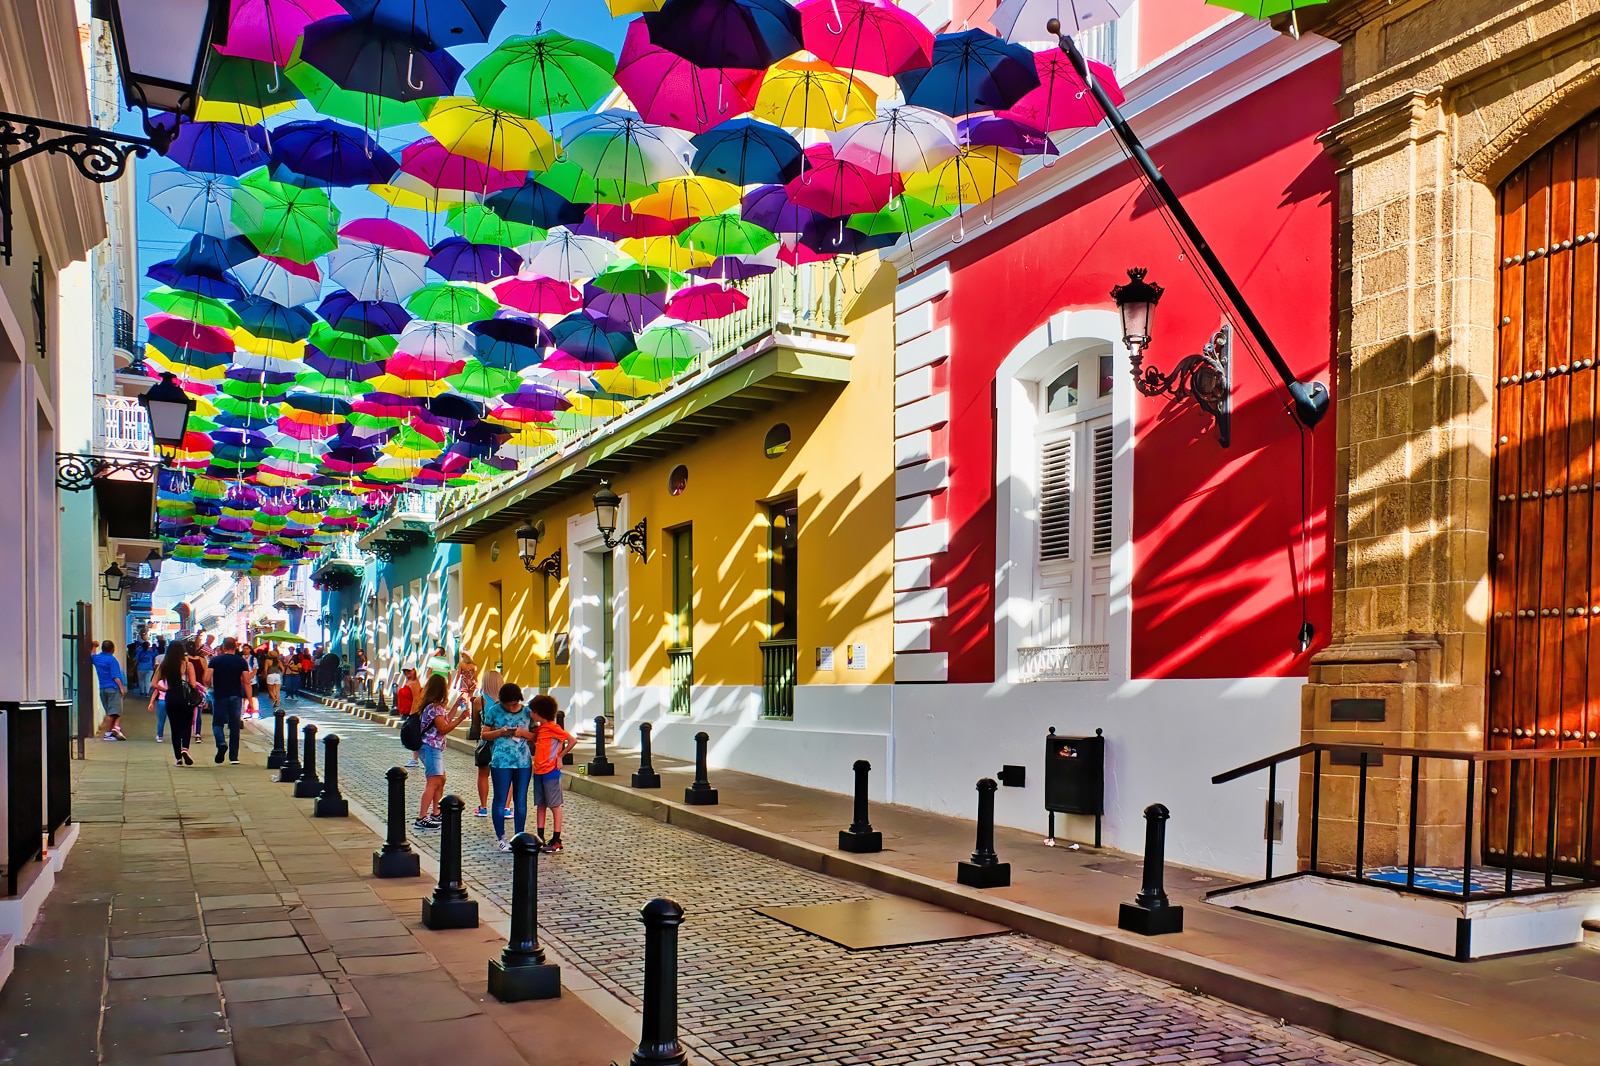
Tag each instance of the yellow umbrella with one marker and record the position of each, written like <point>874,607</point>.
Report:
<point>532,435</point>
<point>243,114</point>
<point>616,382</point>
<point>410,191</point>
<point>594,406</point>
<point>665,253</point>
<point>271,347</point>
<point>409,386</point>
<point>800,92</point>
<point>498,138</point>
<point>972,177</point>
<point>691,197</point>
<point>619,8</point>
<point>158,357</point>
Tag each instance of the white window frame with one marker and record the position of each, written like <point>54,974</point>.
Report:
<point>1019,382</point>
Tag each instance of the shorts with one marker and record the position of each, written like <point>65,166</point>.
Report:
<point>274,679</point>
<point>547,789</point>
<point>432,761</point>
<point>111,699</point>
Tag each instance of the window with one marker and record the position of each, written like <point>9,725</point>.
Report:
<point>777,441</point>
<point>782,531</point>
<point>1107,365</point>
<point>1055,500</point>
<point>678,480</point>
<point>681,622</point>
<point>1104,454</point>
<point>1062,393</point>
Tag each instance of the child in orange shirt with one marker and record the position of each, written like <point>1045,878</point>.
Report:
<point>550,743</point>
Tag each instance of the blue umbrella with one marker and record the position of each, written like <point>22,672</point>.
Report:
<point>972,71</point>
<point>515,342</point>
<point>215,147</point>
<point>366,318</point>
<point>331,153</point>
<point>443,22</point>
<point>833,236</point>
<point>732,268</point>
<point>267,319</point>
<point>533,204</point>
<point>751,34</point>
<point>362,56</point>
<point>209,255</point>
<point>747,151</point>
<point>623,312</point>
<point>458,259</point>
<point>316,403</point>
<point>588,341</point>
<point>340,369</point>
<point>167,273</point>
<point>455,407</point>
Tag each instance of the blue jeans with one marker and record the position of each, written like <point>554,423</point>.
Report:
<point>225,712</point>
<point>161,717</point>
<point>513,779</point>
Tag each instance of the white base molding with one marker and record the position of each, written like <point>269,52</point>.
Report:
<point>1453,929</point>
<point>19,912</point>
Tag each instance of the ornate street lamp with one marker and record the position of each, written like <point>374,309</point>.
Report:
<point>1206,378</point>
<point>154,561</point>
<point>168,408</point>
<point>606,505</point>
<point>111,581</point>
<point>528,538</point>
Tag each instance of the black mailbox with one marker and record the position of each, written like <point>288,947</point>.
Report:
<point>1075,778</point>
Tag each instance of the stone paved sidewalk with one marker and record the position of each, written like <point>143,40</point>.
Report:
<point>205,919</point>
<point>754,991</point>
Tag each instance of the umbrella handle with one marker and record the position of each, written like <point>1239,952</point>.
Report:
<point>276,82</point>
<point>411,59</point>
<point>836,30</point>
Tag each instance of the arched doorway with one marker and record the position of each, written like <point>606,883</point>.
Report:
<point>1544,632</point>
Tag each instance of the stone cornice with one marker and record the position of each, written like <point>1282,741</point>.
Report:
<point>1408,118</point>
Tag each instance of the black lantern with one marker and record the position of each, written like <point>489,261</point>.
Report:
<point>111,581</point>
<point>528,537</point>
<point>162,47</point>
<point>154,561</point>
<point>1136,303</point>
<point>606,505</point>
<point>168,407</point>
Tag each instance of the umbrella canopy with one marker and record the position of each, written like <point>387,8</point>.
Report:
<point>872,35</point>
<point>283,281</point>
<point>202,203</point>
<point>456,259</point>
<point>344,311</point>
<point>331,153</point>
<point>538,295</point>
<point>620,145</point>
<point>543,75</point>
<point>746,151</point>
<point>268,29</point>
<point>362,56</point>
<point>435,164</point>
<point>444,22</point>
<point>1062,101</point>
<point>281,636</point>
<point>668,89</point>
<point>502,140</point>
<point>367,110</point>
<point>449,302</point>
<point>532,204</point>
<point>900,139</point>
<point>215,147</point>
<point>285,220</point>
<point>210,255</point>
<point>568,257</point>
<point>811,93</point>
<point>972,71</point>
<point>375,272</point>
<point>999,131</point>
<point>748,34</point>
<point>727,234</point>
<point>1024,20</point>
<point>972,177</point>
<point>701,303</point>
<point>833,186</point>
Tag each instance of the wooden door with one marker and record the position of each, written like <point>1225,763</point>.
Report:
<point>1544,638</point>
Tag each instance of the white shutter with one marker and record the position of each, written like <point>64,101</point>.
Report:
<point>1104,453</point>
<point>1055,500</point>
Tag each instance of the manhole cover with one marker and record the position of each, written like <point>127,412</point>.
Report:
<point>882,923</point>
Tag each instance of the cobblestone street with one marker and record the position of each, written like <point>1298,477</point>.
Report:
<point>758,991</point>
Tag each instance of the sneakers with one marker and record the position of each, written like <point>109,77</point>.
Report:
<point>414,765</point>
<point>481,812</point>
<point>424,823</point>
<point>160,739</point>
<point>434,821</point>
<point>233,762</point>
<point>177,762</point>
<point>221,754</point>
<point>187,761</point>
<point>503,844</point>
<point>554,845</point>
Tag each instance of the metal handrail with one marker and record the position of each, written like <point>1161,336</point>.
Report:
<point>1424,753</point>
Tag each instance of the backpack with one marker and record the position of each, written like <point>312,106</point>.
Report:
<point>411,733</point>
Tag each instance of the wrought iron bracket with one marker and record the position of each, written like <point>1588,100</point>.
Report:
<point>633,540</point>
<point>100,155</point>
<point>74,472</point>
<point>549,566</point>
<point>1206,378</point>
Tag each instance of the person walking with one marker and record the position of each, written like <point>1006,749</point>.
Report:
<point>443,708</point>
<point>272,666</point>
<point>291,673</point>
<point>145,667</point>
<point>177,686</point>
<point>482,700</point>
<point>230,677</point>
<point>508,726</point>
<point>406,703</point>
<point>550,743</point>
<point>113,686</point>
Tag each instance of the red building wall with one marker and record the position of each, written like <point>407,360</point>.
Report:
<point>1216,533</point>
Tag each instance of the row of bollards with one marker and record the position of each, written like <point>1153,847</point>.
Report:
<point>302,773</point>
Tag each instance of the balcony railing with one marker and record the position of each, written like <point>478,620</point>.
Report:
<point>680,663</point>
<point>121,426</point>
<point>1065,662</point>
<point>122,331</point>
<point>779,665</point>
<point>341,563</point>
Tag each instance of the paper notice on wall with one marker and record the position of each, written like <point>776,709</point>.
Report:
<point>855,657</point>
<point>825,658</point>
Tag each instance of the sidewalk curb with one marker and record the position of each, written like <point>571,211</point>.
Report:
<point>1340,1018</point>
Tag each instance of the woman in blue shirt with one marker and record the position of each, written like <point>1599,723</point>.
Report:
<point>506,723</point>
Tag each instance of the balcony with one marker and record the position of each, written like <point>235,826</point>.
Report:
<point>405,524</point>
<point>789,341</point>
<point>1065,662</point>
<point>121,428</point>
<point>340,565</point>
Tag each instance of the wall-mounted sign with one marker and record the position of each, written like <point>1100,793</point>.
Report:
<point>560,649</point>
<point>825,657</point>
<point>855,656</point>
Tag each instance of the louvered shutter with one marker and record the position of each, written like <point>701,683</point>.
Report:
<point>1055,500</point>
<point>1103,455</point>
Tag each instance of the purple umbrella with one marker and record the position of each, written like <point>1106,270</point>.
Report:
<point>454,407</point>
<point>367,318</point>
<point>750,34</point>
<point>996,131</point>
<point>214,147</point>
<point>732,268</point>
<point>167,273</point>
<point>458,259</point>
<point>537,396</point>
<point>769,206</point>
<point>833,236</point>
<point>332,153</point>
<point>258,377</point>
<point>362,56</point>
<point>341,369</point>
<point>622,312</point>
<point>445,22</point>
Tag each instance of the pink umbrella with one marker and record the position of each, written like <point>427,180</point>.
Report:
<point>268,29</point>
<point>305,430</point>
<point>413,366</point>
<point>798,254</point>
<point>430,161</point>
<point>1062,101</point>
<point>385,233</point>
<point>701,303</point>
<point>836,187</point>
<point>671,91</point>
<point>870,35</point>
<point>558,361</point>
<point>620,221</point>
<point>192,335</point>
<point>539,296</point>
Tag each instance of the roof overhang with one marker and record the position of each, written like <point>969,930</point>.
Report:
<point>780,367</point>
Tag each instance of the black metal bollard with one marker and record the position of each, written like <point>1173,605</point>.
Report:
<point>450,907</point>
<point>861,837</point>
<point>561,720</point>
<point>290,770</point>
<point>396,859</point>
<point>985,870</point>
<point>1150,913</point>
<point>645,776</point>
<point>330,804</point>
<point>700,794</point>
<point>600,766</point>
<point>658,1033</point>
<point>276,757</point>
<point>520,972</point>
<point>308,785</point>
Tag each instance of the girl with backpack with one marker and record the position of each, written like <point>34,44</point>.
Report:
<point>443,708</point>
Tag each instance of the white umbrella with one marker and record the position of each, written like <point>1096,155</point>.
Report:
<point>269,364</point>
<point>1024,20</point>
<point>900,140</point>
<point>568,256</point>
<point>438,340</point>
<point>202,203</point>
<point>274,281</point>
<point>618,145</point>
<point>373,272</point>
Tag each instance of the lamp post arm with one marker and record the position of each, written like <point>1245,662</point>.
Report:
<point>1310,399</point>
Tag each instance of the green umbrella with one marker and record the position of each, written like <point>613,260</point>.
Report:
<point>543,75</point>
<point>904,214</point>
<point>578,186</point>
<point>315,382</point>
<point>235,80</point>
<point>654,367</point>
<point>285,220</point>
<point>477,379</point>
<point>282,636</point>
<point>1262,9</point>
<point>451,302</point>
<point>252,390</point>
<point>727,234</point>
<point>482,226</point>
<point>351,346</point>
<point>243,408</point>
<point>367,110</point>
<point>192,306</point>
<point>632,279</point>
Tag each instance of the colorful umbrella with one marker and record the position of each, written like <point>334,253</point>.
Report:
<point>538,295</point>
<point>900,139</point>
<point>499,139</point>
<point>375,272</point>
<point>747,152</point>
<point>344,311</point>
<point>972,177</point>
<point>215,147</point>
<point>972,71</point>
<point>568,257</point>
<point>832,186</point>
<point>367,110</point>
<point>362,56</point>
<point>444,22</point>
<point>1024,20</point>
<point>748,34</point>
<point>268,29</point>
<point>727,234</point>
<point>285,220</point>
<point>283,281</point>
<point>532,204</point>
<point>199,202</point>
<point>449,302</point>
<point>331,153</point>
<point>435,164</point>
<point>1062,101</point>
<point>482,226</point>
<point>455,259</point>
<point>542,76</point>
<point>701,303</point>
<point>811,93</point>
<point>668,89</point>
<point>872,35</point>
<point>620,145</point>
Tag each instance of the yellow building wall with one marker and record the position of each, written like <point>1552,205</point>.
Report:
<point>840,469</point>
